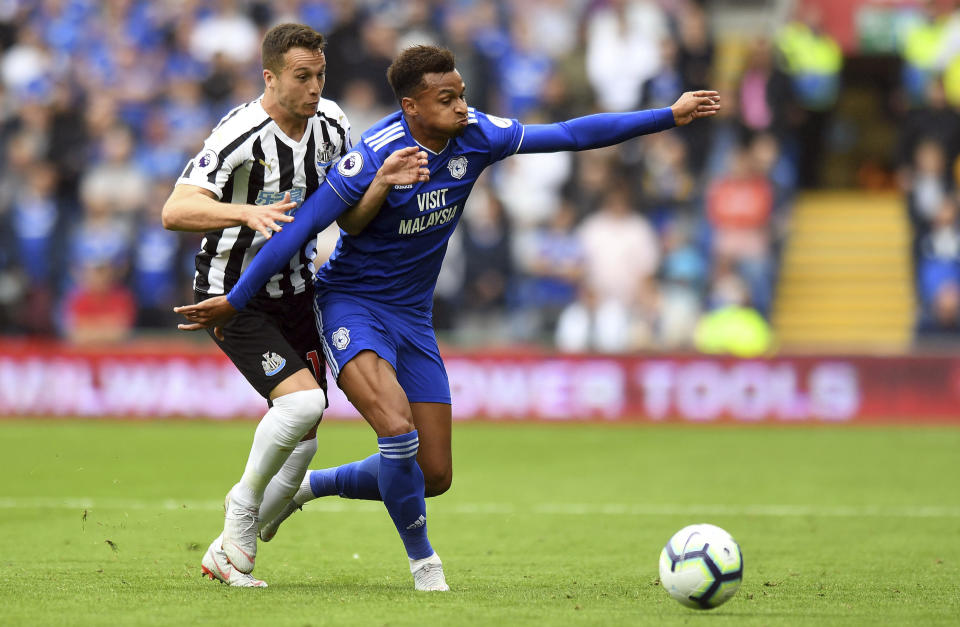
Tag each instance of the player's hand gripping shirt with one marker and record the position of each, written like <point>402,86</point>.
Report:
<point>247,159</point>
<point>397,257</point>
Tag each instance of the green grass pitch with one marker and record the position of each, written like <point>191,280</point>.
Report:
<point>105,523</point>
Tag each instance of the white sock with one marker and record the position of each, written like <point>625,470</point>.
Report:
<point>286,482</point>
<point>304,492</point>
<point>278,433</point>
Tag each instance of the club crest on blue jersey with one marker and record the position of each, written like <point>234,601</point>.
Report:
<point>351,164</point>
<point>272,363</point>
<point>341,338</point>
<point>457,167</point>
<point>326,153</point>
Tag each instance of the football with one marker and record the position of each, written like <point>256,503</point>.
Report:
<point>701,566</point>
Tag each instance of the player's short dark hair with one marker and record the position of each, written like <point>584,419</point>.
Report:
<point>406,72</point>
<point>282,38</point>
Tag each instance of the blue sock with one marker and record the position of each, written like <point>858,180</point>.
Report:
<point>401,484</point>
<point>356,480</point>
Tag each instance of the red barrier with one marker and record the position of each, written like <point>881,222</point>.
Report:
<point>162,380</point>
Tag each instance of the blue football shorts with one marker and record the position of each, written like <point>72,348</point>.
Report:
<point>404,337</point>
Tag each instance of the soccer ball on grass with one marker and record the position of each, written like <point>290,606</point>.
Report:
<point>701,566</point>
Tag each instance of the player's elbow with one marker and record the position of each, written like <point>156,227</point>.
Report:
<point>167,217</point>
<point>350,228</point>
<point>171,215</point>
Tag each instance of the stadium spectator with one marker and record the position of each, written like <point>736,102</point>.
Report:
<point>618,31</point>
<point>489,272</point>
<point>765,93</point>
<point>550,258</point>
<point>813,60</point>
<point>228,31</point>
<point>928,184</point>
<point>621,255</point>
<point>99,309</point>
<point>683,277</point>
<point>938,270</point>
<point>739,208</point>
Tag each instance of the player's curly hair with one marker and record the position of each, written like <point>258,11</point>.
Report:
<point>406,72</point>
<point>283,37</point>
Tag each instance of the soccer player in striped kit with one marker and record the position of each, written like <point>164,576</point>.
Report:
<point>374,295</point>
<point>255,169</point>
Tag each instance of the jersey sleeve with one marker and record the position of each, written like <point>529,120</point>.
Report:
<point>213,165</point>
<point>595,131</point>
<point>503,135</point>
<point>353,174</point>
<point>316,213</point>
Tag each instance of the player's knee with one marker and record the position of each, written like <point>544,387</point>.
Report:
<point>302,409</point>
<point>390,425</point>
<point>312,433</point>
<point>436,482</point>
<point>388,419</point>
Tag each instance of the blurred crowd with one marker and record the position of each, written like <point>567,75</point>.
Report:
<point>928,160</point>
<point>661,243</point>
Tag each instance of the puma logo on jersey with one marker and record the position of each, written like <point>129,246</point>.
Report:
<point>265,164</point>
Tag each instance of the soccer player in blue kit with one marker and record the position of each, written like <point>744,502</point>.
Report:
<point>374,296</point>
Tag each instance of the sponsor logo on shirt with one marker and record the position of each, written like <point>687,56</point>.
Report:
<point>265,197</point>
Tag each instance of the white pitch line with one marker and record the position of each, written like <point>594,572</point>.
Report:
<point>329,505</point>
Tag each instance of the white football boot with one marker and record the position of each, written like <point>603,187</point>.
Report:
<point>240,534</point>
<point>269,530</point>
<point>215,565</point>
<point>428,574</point>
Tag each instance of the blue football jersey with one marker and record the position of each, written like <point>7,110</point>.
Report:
<point>396,259</point>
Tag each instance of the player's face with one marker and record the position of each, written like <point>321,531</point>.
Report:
<point>298,85</point>
<point>442,106</point>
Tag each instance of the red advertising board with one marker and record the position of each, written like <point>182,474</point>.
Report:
<point>160,381</point>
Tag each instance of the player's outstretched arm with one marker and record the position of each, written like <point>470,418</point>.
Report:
<point>193,208</point>
<point>606,129</point>
<point>403,167</point>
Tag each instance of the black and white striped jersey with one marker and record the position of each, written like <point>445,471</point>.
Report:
<point>248,159</point>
